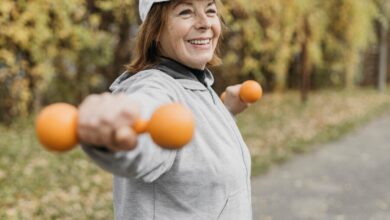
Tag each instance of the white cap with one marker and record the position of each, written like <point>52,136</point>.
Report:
<point>145,6</point>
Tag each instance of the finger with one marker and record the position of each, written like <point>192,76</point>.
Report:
<point>233,92</point>
<point>125,139</point>
<point>128,117</point>
<point>86,115</point>
<point>85,130</point>
<point>222,97</point>
<point>105,135</point>
<point>87,138</point>
<point>235,89</point>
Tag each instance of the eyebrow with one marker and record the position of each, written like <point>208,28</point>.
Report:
<point>188,3</point>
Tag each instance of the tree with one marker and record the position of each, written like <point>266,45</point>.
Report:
<point>383,44</point>
<point>64,50</point>
<point>60,50</point>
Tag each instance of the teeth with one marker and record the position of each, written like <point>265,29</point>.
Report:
<point>200,42</point>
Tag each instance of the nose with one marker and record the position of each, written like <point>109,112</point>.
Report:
<point>202,21</point>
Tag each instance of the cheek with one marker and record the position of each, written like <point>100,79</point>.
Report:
<point>217,35</point>
<point>173,41</point>
<point>180,29</point>
<point>217,29</point>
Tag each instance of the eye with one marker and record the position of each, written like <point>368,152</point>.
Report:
<point>211,11</point>
<point>185,12</point>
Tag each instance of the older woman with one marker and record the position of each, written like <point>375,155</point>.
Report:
<point>210,177</point>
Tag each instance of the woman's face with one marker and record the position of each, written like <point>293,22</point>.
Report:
<point>191,33</point>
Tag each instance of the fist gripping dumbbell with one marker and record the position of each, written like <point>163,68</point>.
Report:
<point>171,126</point>
<point>250,92</point>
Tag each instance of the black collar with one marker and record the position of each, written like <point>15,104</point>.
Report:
<point>179,71</point>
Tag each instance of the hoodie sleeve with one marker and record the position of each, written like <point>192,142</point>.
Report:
<point>149,89</point>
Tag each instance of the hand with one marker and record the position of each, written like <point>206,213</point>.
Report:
<point>233,101</point>
<point>106,119</point>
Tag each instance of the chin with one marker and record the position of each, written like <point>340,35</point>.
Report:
<point>199,65</point>
<point>197,61</point>
<point>202,61</point>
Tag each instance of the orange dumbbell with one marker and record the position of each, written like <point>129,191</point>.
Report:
<point>250,92</point>
<point>171,126</point>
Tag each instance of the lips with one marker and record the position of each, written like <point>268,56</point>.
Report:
<point>200,41</point>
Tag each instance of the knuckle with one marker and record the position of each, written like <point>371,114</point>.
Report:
<point>92,98</point>
<point>107,119</point>
<point>229,88</point>
<point>128,113</point>
<point>105,95</point>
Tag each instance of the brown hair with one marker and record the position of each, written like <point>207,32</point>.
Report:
<point>147,50</point>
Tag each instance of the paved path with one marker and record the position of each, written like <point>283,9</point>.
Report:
<point>345,180</point>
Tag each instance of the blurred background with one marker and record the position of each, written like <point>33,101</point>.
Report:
<point>323,66</point>
<point>65,50</point>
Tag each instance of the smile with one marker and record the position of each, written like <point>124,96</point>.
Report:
<point>200,42</point>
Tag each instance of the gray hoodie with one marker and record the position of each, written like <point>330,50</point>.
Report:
<point>209,178</point>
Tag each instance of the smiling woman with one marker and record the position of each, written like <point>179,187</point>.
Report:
<point>209,178</point>
<point>160,25</point>
<point>192,33</point>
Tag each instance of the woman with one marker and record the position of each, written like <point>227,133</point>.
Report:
<point>209,178</point>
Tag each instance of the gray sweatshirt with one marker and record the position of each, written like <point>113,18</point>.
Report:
<point>209,178</point>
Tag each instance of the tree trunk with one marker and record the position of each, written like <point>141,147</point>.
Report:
<point>306,67</point>
<point>382,58</point>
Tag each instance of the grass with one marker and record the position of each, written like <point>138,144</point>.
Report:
<point>36,184</point>
<point>279,126</point>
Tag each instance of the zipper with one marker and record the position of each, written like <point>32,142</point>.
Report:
<point>233,131</point>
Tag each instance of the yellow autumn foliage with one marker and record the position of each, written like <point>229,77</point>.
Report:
<point>65,49</point>
<point>57,46</point>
